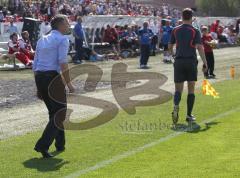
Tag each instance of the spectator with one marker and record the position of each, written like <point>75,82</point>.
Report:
<point>145,35</point>
<point>96,7</point>
<point>232,35</point>
<point>238,27</point>
<point>100,9</point>
<point>214,29</point>
<point>12,28</point>
<point>166,35</point>
<point>179,22</point>
<point>79,38</point>
<point>65,10</point>
<point>128,38</point>
<point>5,11</point>
<point>51,10</point>
<point>14,49</point>
<point>220,35</point>
<point>25,46</point>
<point>91,55</point>
<point>1,16</point>
<point>208,42</point>
<point>156,31</point>
<point>98,37</point>
<point>111,36</point>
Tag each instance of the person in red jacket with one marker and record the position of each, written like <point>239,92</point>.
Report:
<point>208,44</point>
<point>25,46</point>
<point>214,29</point>
<point>14,49</point>
<point>111,36</point>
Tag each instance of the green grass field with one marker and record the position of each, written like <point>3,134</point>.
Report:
<point>122,149</point>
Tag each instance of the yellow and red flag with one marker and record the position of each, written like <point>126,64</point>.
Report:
<point>209,90</point>
<point>232,72</point>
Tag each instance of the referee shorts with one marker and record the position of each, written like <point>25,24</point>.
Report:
<point>185,70</point>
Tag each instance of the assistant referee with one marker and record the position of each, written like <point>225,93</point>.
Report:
<point>187,40</point>
<point>50,60</point>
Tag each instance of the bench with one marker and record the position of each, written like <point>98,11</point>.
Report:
<point>10,59</point>
<point>72,53</point>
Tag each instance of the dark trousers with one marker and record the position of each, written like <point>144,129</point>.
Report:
<point>54,98</point>
<point>154,44</point>
<point>79,49</point>
<point>145,52</point>
<point>210,62</point>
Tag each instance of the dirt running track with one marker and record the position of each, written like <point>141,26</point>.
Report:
<point>20,118</point>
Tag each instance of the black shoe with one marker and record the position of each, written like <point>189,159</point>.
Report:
<point>213,75</point>
<point>60,149</point>
<point>190,119</point>
<point>141,66</point>
<point>77,62</point>
<point>208,77</point>
<point>45,153</point>
<point>146,67</point>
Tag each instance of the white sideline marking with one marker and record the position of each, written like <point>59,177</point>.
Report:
<point>142,148</point>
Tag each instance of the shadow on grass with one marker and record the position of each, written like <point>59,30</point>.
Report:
<point>193,127</point>
<point>45,165</point>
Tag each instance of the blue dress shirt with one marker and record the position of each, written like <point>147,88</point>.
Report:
<point>51,52</point>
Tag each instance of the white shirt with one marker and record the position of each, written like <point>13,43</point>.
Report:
<point>155,29</point>
<point>45,28</point>
<point>22,44</point>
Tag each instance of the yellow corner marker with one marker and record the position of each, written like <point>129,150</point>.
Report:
<point>232,72</point>
<point>209,90</point>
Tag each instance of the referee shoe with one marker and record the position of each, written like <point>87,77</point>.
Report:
<point>175,115</point>
<point>190,118</point>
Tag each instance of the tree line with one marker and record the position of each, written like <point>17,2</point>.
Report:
<point>230,8</point>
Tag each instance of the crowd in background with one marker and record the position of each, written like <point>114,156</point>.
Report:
<point>118,37</point>
<point>127,37</point>
<point>225,34</point>
<point>74,8</point>
<point>128,34</point>
<point>44,10</point>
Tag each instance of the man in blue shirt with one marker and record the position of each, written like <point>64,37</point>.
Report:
<point>51,59</point>
<point>166,35</point>
<point>145,35</point>
<point>12,28</point>
<point>79,38</point>
<point>1,16</point>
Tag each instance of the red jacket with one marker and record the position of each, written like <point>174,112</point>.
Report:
<point>214,27</point>
<point>111,35</point>
<point>11,46</point>
<point>207,47</point>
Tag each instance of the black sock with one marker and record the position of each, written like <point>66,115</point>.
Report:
<point>177,98</point>
<point>190,103</point>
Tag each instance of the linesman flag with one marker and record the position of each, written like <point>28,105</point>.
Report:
<point>209,90</point>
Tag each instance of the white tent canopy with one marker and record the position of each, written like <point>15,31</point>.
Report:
<point>103,21</point>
